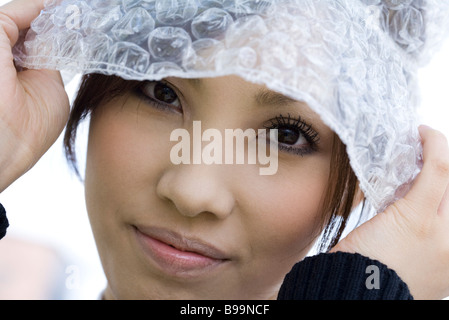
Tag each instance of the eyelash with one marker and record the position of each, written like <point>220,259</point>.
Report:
<point>297,124</point>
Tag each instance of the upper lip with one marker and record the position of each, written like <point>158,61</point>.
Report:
<point>184,243</point>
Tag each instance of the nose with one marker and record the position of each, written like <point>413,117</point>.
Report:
<point>195,189</point>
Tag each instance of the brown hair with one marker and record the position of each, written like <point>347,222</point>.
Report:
<point>339,200</point>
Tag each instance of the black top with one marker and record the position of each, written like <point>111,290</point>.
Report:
<point>329,276</point>
<point>342,276</point>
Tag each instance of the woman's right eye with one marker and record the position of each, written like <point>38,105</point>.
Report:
<point>161,95</point>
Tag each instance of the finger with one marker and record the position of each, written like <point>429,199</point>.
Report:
<point>18,15</point>
<point>430,186</point>
<point>15,16</point>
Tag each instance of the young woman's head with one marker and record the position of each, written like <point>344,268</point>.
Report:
<point>235,233</point>
<point>203,230</point>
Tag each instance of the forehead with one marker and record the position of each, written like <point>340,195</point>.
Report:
<point>263,96</point>
<point>259,93</point>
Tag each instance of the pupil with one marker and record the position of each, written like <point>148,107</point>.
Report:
<point>288,136</point>
<point>164,93</point>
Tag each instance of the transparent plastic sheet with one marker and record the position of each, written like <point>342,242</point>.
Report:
<point>353,62</point>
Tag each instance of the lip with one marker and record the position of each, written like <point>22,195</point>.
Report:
<point>177,255</point>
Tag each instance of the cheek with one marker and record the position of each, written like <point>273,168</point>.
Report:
<point>125,154</point>
<point>289,210</point>
<point>124,146</point>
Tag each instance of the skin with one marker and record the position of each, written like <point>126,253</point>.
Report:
<point>264,223</point>
<point>410,236</point>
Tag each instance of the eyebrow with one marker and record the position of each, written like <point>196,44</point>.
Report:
<point>194,82</point>
<point>267,97</point>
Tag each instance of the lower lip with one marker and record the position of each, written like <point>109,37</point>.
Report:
<point>176,262</point>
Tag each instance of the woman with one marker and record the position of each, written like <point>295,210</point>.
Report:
<point>220,231</point>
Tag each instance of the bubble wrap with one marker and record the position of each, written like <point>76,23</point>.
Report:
<point>352,61</point>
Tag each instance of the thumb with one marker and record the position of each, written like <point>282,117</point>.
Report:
<point>430,186</point>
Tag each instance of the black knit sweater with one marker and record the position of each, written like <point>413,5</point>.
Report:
<point>334,276</point>
<point>342,276</point>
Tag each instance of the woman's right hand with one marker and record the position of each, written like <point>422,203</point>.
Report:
<point>34,106</point>
<point>411,236</point>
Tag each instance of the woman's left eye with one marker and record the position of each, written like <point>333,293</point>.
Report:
<point>291,137</point>
<point>294,135</point>
<point>160,94</point>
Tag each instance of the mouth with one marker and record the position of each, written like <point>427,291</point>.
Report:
<point>178,255</point>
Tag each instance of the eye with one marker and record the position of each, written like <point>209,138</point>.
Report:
<point>160,94</point>
<point>294,135</point>
<point>291,136</point>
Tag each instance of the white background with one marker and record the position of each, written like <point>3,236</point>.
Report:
<point>46,206</point>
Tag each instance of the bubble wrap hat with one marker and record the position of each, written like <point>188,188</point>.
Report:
<point>352,61</point>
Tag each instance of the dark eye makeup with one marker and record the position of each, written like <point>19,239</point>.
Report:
<point>294,135</point>
<point>160,95</point>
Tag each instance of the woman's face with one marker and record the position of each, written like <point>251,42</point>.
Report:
<point>202,231</point>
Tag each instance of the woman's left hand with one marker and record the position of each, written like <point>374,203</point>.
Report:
<point>412,235</point>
